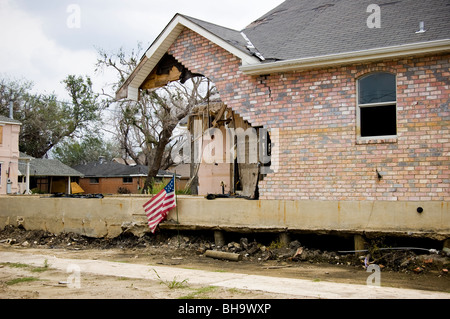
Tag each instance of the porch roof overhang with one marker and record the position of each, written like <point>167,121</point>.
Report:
<point>157,50</point>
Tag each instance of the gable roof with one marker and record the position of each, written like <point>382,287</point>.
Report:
<point>304,28</point>
<point>46,167</point>
<point>304,33</point>
<point>233,37</point>
<point>226,38</point>
<point>301,34</point>
<point>114,169</point>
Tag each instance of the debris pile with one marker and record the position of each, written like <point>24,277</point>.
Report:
<point>242,250</point>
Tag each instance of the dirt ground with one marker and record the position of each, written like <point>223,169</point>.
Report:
<point>401,269</point>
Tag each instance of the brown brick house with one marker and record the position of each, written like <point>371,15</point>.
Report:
<point>109,177</point>
<point>355,112</point>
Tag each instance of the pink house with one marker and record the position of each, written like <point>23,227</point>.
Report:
<point>9,155</point>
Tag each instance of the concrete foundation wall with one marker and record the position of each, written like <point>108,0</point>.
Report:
<point>111,216</point>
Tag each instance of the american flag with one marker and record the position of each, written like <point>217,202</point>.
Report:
<point>157,207</point>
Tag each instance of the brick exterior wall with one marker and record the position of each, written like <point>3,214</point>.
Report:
<point>320,156</point>
<point>110,185</point>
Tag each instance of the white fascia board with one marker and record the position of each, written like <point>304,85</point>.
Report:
<point>3,123</point>
<point>165,40</point>
<point>348,57</point>
<point>244,57</point>
<point>133,92</point>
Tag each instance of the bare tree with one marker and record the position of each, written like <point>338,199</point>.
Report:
<point>145,127</point>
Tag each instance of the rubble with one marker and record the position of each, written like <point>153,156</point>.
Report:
<point>416,262</point>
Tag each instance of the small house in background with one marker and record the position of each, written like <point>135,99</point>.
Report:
<point>9,154</point>
<point>46,175</point>
<point>110,177</point>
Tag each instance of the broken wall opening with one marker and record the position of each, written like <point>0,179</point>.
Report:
<point>230,155</point>
<point>233,147</point>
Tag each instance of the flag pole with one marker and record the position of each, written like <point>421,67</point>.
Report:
<point>176,205</point>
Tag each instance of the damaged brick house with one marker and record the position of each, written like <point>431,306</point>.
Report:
<point>360,113</point>
<point>355,110</point>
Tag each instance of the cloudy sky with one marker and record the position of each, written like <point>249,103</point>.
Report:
<point>45,40</point>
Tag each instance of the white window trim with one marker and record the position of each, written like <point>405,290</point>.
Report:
<point>380,138</point>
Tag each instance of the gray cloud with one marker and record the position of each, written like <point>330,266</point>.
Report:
<point>42,47</point>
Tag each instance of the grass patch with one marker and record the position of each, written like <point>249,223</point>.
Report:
<point>200,293</point>
<point>235,291</point>
<point>20,280</point>
<point>123,278</point>
<point>172,284</point>
<point>45,267</point>
<point>16,265</point>
<point>41,269</point>
<point>276,244</point>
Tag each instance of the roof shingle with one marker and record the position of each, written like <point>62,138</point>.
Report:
<point>113,169</point>
<point>309,28</point>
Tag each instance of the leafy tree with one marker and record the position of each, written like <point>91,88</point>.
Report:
<point>73,152</point>
<point>46,120</point>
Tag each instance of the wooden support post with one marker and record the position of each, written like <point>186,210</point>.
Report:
<point>285,239</point>
<point>446,243</point>
<point>359,243</point>
<point>219,238</point>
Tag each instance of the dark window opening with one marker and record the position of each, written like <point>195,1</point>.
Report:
<point>94,180</point>
<point>378,120</point>
<point>127,180</point>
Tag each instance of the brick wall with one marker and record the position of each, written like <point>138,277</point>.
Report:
<point>110,185</point>
<point>315,111</point>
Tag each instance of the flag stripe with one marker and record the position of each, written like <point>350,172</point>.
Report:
<point>155,199</point>
<point>151,210</point>
<point>157,207</point>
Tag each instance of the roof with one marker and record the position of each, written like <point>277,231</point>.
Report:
<point>300,34</point>
<point>305,28</point>
<point>46,167</point>
<point>4,119</point>
<point>231,36</point>
<point>226,38</point>
<point>114,169</point>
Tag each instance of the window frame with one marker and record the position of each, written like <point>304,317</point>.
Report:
<point>94,180</point>
<point>360,138</point>
<point>124,178</point>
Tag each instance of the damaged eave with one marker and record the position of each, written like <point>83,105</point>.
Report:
<point>156,51</point>
<point>348,57</point>
<point>123,91</point>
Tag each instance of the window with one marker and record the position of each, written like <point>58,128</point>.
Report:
<point>94,180</point>
<point>127,180</point>
<point>377,110</point>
